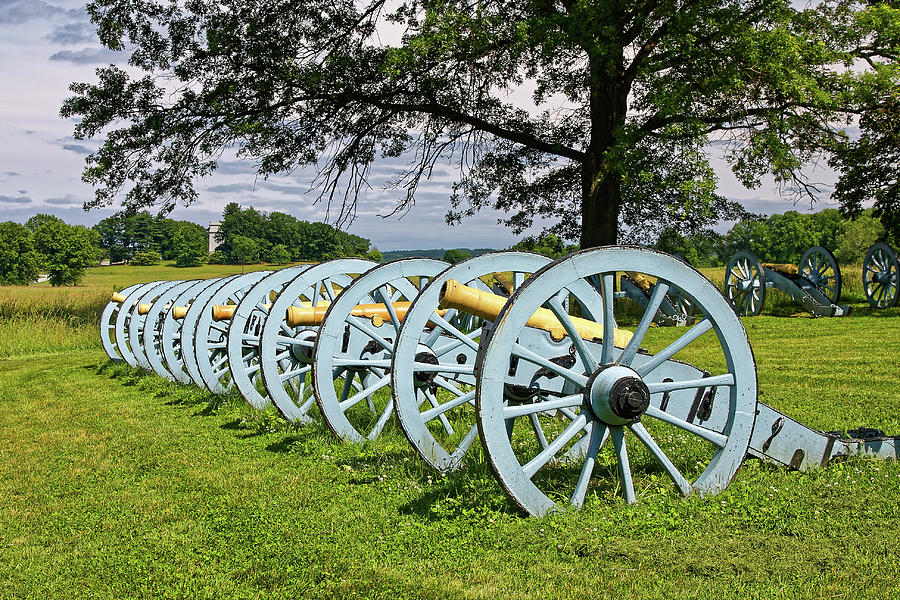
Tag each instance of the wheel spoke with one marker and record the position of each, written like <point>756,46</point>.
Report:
<point>609,319</point>
<point>441,322</point>
<point>439,410</point>
<point>587,357</point>
<point>656,298</point>
<point>365,393</point>
<point>598,435</point>
<point>544,456</point>
<point>382,420</point>
<point>689,336</point>
<point>709,435</point>
<point>520,410</point>
<point>435,404</point>
<point>642,434</point>
<point>670,386</point>
<point>289,374</point>
<point>618,437</point>
<point>526,354</point>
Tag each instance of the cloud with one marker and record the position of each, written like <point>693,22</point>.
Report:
<point>67,200</point>
<point>90,56</point>
<point>11,173</point>
<point>15,12</point>
<point>230,188</point>
<point>236,167</point>
<point>76,148</point>
<point>15,199</point>
<point>73,33</point>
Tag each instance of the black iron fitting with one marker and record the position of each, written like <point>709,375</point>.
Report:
<point>629,398</point>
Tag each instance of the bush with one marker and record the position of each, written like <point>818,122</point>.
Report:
<point>146,258</point>
<point>279,255</point>
<point>217,258</point>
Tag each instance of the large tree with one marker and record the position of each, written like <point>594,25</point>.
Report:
<point>627,96</point>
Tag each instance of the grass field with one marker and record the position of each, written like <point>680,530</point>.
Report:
<point>114,483</point>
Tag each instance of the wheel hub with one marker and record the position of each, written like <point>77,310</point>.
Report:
<point>304,353</point>
<point>617,395</point>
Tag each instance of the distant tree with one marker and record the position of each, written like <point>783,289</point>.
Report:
<point>146,258</point>
<point>19,262</point>
<point>35,222</point>
<point>455,255</point>
<point>870,164</point>
<point>190,245</point>
<point>244,250</point>
<point>218,258</point>
<point>375,255</point>
<point>549,245</point>
<point>67,251</point>
<point>279,255</point>
<point>859,235</point>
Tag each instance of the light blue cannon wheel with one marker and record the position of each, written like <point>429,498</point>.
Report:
<point>210,336</point>
<point>244,333</point>
<point>881,276</point>
<point>692,423</point>
<point>432,370</point>
<point>153,322</point>
<point>820,268</point>
<point>745,284</point>
<point>127,313</point>
<point>108,325</point>
<point>136,324</point>
<point>360,405</point>
<point>170,336</point>
<point>285,349</point>
<point>189,330</point>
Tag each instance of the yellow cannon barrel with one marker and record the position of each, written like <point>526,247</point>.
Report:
<point>222,312</point>
<point>143,309</point>
<point>487,306</point>
<point>785,268</point>
<point>305,316</point>
<point>118,298</point>
<point>180,312</point>
<point>639,280</point>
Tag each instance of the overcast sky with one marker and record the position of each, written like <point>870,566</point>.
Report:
<point>46,44</point>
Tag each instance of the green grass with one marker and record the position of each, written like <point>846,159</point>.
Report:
<point>115,483</point>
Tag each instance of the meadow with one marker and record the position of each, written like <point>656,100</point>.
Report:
<point>116,483</point>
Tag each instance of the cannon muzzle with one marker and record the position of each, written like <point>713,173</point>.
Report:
<point>487,306</point>
<point>223,312</point>
<point>118,298</point>
<point>180,312</point>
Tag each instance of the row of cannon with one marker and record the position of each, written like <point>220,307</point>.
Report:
<point>814,283</point>
<point>521,352</point>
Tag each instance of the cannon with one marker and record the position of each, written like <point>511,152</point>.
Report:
<point>530,356</point>
<point>880,276</point>
<point>815,283</point>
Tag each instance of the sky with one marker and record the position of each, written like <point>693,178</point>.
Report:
<point>47,44</point>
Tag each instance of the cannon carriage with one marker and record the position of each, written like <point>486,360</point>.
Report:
<point>564,395</point>
<point>814,283</point>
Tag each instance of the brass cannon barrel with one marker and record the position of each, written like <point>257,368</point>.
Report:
<point>180,312</point>
<point>305,316</point>
<point>487,306</point>
<point>784,268</point>
<point>118,298</point>
<point>223,312</point>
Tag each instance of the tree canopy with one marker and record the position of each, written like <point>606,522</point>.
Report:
<point>66,250</point>
<point>626,97</point>
<point>19,262</point>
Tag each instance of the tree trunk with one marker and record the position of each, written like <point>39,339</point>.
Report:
<point>601,186</point>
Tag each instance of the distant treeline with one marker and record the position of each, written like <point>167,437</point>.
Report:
<point>247,235</point>
<point>780,238</point>
<point>437,253</point>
